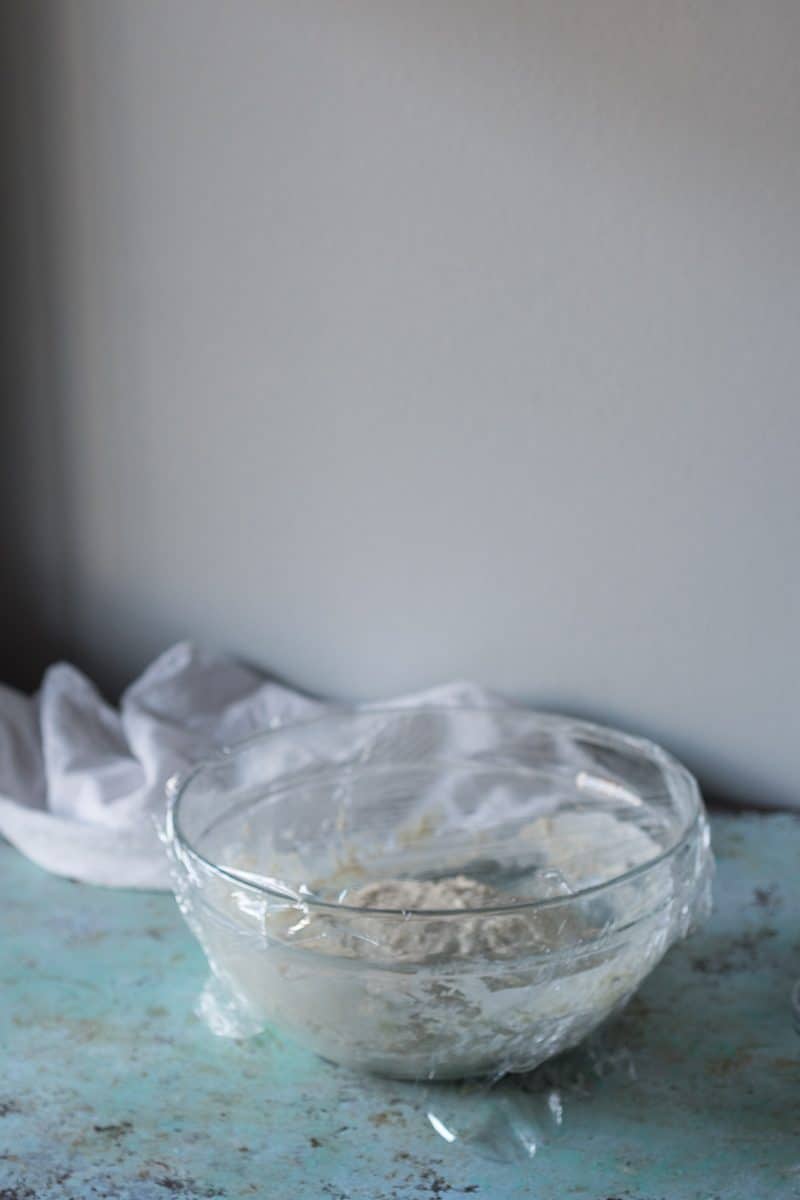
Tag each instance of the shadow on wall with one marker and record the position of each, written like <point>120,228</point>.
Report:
<point>33,515</point>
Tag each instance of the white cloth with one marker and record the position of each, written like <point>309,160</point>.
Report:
<point>82,783</point>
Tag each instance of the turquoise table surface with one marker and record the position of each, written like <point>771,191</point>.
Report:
<point>111,1087</point>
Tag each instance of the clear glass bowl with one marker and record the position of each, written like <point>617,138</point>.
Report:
<point>586,851</point>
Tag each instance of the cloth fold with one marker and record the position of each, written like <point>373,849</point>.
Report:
<point>81,783</point>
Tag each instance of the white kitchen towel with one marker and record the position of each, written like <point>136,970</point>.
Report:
<point>81,782</point>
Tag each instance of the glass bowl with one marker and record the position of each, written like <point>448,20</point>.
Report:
<point>436,893</point>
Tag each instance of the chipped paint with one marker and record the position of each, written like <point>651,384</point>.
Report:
<point>112,1088</point>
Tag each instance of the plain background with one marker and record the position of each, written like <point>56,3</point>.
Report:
<point>383,343</point>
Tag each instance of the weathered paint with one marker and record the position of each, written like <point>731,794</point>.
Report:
<point>110,1087</point>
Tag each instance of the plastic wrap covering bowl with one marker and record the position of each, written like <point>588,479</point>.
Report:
<point>551,863</point>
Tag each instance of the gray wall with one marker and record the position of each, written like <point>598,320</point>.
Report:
<point>32,594</point>
<point>392,342</point>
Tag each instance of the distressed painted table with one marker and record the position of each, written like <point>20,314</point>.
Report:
<point>110,1087</point>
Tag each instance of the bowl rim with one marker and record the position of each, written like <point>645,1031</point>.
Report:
<point>179,783</point>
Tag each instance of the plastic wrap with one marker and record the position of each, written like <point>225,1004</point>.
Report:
<point>435,894</point>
